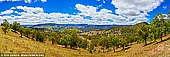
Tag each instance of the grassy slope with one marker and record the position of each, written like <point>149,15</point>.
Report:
<point>12,43</point>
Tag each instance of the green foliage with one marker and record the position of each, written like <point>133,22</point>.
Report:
<point>144,33</point>
<point>65,40</point>
<point>123,43</point>
<point>90,50</point>
<point>27,32</point>
<point>15,26</point>
<point>6,26</point>
<point>40,36</point>
<point>71,37</point>
<point>21,30</point>
<point>104,43</point>
<point>113,41</point>
<point>73,42</point>
<point>5,23</point>
<point>83,44</point>
<point>5,29</point>
<point>160,25</point>
<point>53,37</point>
<point>34,33</point>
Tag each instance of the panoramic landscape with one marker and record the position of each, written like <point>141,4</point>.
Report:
<point>84,28</point>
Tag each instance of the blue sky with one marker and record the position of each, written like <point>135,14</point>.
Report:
<point>92,12</point>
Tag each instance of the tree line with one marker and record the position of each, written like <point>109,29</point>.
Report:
<point>140,33</point>
<point>67,38</point>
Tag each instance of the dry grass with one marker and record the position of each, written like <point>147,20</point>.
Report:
<point>12,43</point>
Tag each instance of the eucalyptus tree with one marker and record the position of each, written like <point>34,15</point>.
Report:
<point>83,44</point>
<point>6,25</point>
<point>144,33</point>
<point>34,33</point>
<point>27,32</point>
<point>104,43</point>
<point>16,26</point>
<point>40,36</point>
<point>74,39</point>
<point>53,37</point>
<point>113,41</point>
<point>21,30</point>
<point>65,40</point>
<point>159,22</point>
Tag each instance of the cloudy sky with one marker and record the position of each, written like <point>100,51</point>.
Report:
<point>92,12</point>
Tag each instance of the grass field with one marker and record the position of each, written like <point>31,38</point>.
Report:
<point>12,43</point>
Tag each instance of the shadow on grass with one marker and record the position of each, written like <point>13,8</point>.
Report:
<point>156,42</point>
<point>126,48</point>
<point>163,40</point>
<point>148,44</point>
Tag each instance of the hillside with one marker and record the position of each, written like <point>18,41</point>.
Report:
<point>12,43</point>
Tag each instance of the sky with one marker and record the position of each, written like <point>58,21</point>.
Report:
<point>92,12</point>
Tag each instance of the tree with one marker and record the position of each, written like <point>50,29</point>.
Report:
<point>74,39</point>
<point>144,33</point>
<point>104,43</point>
<point>40,36</point>
<point>53,37</point>
<point>73,42</point>
<point>113,41</point>
<point>15,26</point>
<point>21,30</point>
<point>159,22</point>
<point>34,34</point>
<point>5,23</point>
<point>27,32</point>
<point>65,40</point>
<point>153,32</point>
<point>83,44</point>
<point>122,42</point>
<point>6,26</point>
<point>5,29</point>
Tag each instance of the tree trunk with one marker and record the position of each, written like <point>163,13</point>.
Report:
<point>21,35</point>
<point>65,46</point>
<point>114,49</point>
<point>5,32</point>
<point>161,36</point>
<point>71,47</point>
<point>145,41</point>
<point>103,49</point>
<point>123,47</point>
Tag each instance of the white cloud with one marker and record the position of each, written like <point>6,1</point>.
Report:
<point>26,1</point>
<point>137,9</point>
<point>36,15</point>
<point>7,12</point>
<point>164,7</point>
<point>30,9</point>
<point>44,0</point>
<point>102,1</point>
<point>102,16</point>
<point>134,13</point>
<point>9,0</point>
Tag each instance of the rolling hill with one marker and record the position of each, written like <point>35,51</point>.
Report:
<point>12,43</point>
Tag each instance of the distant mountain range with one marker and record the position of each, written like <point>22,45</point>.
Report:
<point>82,27</point>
